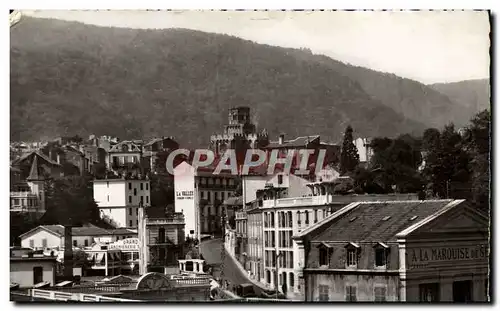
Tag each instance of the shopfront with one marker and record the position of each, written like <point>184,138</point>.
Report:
<point>447,261</point>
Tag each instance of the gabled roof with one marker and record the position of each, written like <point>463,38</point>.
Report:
<point>369,221</point>
<point>132,146</point>
<point>121,231</point>
<point>300,141</point>
<point>34,172</point>
<point>58,230</point>
<point>35,153</point>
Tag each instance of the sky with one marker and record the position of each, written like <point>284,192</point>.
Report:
<point>427,46</point>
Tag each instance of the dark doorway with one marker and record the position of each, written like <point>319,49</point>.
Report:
<point>462,291</point>
<point>429,292</point>
<point>37,275</point>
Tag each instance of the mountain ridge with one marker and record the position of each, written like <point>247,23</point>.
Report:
<point>74,78</point>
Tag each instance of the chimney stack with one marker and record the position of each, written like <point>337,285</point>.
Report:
<point>281,139</point>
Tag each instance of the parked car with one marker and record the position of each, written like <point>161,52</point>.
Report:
<point>271,294</point>
<point>245,290</point>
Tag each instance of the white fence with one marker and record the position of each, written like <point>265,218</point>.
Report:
<point>67,296</point>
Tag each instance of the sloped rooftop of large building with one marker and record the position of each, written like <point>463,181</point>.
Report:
<point>375,221</point>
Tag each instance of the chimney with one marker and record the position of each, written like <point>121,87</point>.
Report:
<point>58,158</point>
<point>281,139</point>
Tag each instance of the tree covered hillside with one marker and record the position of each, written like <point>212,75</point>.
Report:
<point>70,78</point>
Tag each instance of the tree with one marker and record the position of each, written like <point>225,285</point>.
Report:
<point>70,202</point>
<point>447,169</point>
<point>477,139</point>
<point>395,163</point>
<point>162,190</point>
<point>349,157</point>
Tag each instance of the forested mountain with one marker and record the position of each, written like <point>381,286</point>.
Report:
<point>70,78</point>
<point>472,95</point>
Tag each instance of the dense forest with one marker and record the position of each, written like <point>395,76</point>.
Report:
<point>70,78</point>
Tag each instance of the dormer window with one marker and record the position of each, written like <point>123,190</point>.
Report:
<point>381,251</point>
<point>352,250</point>
<point>325,252</point>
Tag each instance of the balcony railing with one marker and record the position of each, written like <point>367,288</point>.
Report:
<point>163,221</point>
<point>23,194</point>
<point>25,208</point>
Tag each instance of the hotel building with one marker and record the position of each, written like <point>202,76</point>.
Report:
<point>273,256</point>
<point>412,251</point>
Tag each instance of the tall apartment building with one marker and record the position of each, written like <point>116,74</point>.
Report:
<point>273,256</point>
<point>199,195</point>
<point>119,200</point>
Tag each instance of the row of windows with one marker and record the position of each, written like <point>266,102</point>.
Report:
<point>270,258</point>
<point>130,199</point>
<point>241,226</point>
<point>216,181</point>
<point>121,160</point>
<point>216,195</point>
<point>25,202</point>
<point>351,293</point>
<point>284,260</point>
<point>269,238</point>
<point>290,281</point>
<point>352,256</point>
<point>130,224</point>
<point>141,186</point>
<point>285,239</point>
<point>285,219</point>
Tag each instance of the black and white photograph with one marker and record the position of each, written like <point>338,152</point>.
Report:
<point>250,156</point>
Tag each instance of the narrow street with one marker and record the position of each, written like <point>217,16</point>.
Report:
<point>211,251</point>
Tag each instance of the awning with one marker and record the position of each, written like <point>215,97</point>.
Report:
<point>100,258</point>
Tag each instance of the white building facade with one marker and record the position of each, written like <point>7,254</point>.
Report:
<point>119,200</point>
<point>199,195</point>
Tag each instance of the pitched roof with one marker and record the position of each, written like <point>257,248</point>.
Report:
<point>35,153</point>
<point>300,141</point>
<point>34,172</point>
<point>121,231</point>
<point>375,221</point>
<point>58,230</point>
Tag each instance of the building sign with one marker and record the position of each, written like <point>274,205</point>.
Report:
<point>131,244</point>
<point>185,195</point>
<point>423,256</point>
